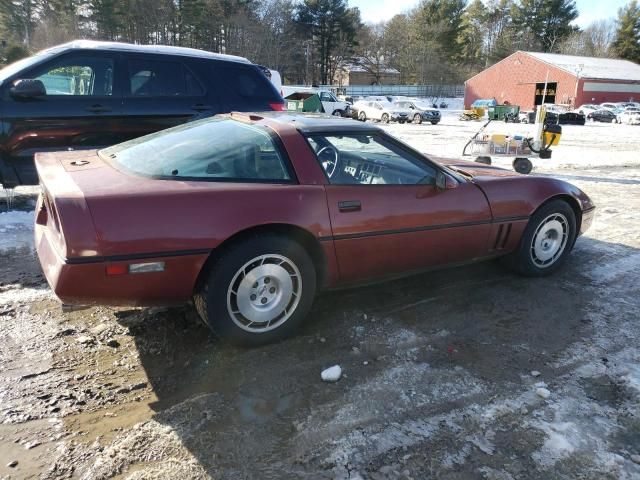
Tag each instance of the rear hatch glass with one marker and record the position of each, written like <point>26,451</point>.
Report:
<point>212,149</point>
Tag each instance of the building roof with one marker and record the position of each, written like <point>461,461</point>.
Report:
<point>130,47</point>
<point>591,67</point>
<point>359,64</point>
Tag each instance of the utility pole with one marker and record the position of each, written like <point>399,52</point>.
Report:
<point>579,69</point>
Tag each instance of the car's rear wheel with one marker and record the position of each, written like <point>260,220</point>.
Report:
<point>417,118</point>
<point>258,291</point>
<point>362,117</point>
<point>546,241</point>
<point>385,118</point>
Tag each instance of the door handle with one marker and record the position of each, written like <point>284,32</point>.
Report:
<point>98,109</point>
<point>200,107</point>
<point>349,206</point>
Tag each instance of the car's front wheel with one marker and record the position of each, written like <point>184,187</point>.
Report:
<point>417,118</point>
<point>385,118</point>
<point>258,291</point>
<point>546,241</point>
<point>362,117</point>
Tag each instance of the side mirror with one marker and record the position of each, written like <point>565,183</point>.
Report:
<point>27,88</point>
<point>444,181</point>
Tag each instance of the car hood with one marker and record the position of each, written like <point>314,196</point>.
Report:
<point>478,171</point>
<point>430,110</point>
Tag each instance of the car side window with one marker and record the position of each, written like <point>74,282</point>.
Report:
<point>158,78</point>
<point>369,159</point>
<point>325,97</point>
<point>77,76</point>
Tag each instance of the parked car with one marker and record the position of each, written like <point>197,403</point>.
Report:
<point>587,108</point>
<point>382,111</point>
<point>566,118</point>
<point>603,115</point>
<point>630,116</point>
<point>232,212</point>
<point>608,106</point>
<point>420,111</point>
<point>484,103</point>
<point>88,94</point>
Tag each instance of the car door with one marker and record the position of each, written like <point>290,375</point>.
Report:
<point>81,109</point>
<point>387,214</point>
<point>162,91</point>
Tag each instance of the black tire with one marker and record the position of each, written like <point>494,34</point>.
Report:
<point>337,113</point>
<point>384,118</point>
<point>483,160</point>
<point>417,118</point>
<point>434,123</point>
<point>522,260</point>
<point>362,117</point>
<point>522,165</point>
<point>212,295</point>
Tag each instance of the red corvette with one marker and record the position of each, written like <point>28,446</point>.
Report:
<point>249,215</point>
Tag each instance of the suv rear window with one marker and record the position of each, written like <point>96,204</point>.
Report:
<point>243,82</point>
<point>208,149</point>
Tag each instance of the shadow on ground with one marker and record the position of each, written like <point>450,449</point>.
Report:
<point>244,413</point>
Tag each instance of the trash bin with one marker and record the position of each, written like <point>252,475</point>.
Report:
<point>303,102</point>
<point>499,112</point>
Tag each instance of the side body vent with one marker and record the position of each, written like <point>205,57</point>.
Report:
<point>502,237</point>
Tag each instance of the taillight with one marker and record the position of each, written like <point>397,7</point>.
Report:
<point>41,215</point>
<point>124,269</point>
<point>277,106</point>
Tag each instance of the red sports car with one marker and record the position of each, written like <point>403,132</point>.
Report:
<point>250,214</point>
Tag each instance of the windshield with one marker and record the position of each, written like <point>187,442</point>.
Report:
<point>209,149</point>
<point>15,67</point>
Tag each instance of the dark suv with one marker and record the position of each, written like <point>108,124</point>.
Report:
<point>88,94</point>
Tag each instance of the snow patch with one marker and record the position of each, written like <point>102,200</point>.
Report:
<point>614,269</point>
<point>16,230</point>
<point>560,443</point>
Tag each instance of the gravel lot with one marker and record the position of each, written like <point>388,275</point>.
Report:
<point>444,374</point>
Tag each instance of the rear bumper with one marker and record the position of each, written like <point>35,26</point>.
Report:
<point>85,282</point>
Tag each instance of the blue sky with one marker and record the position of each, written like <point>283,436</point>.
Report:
<point>590,10</point>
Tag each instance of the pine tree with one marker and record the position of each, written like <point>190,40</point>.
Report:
<point>627,42</point>
<point>547,22</point>
<point>332,26</point>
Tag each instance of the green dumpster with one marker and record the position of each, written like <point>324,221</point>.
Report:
<point>499,112</point>
<point>303,102</point>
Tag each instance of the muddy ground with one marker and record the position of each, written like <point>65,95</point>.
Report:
<point>437,380</point>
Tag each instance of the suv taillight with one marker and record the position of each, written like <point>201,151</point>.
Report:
<point>277,106</point>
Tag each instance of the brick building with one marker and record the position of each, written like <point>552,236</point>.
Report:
<point>357,74</point>
<point>519,80</point>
